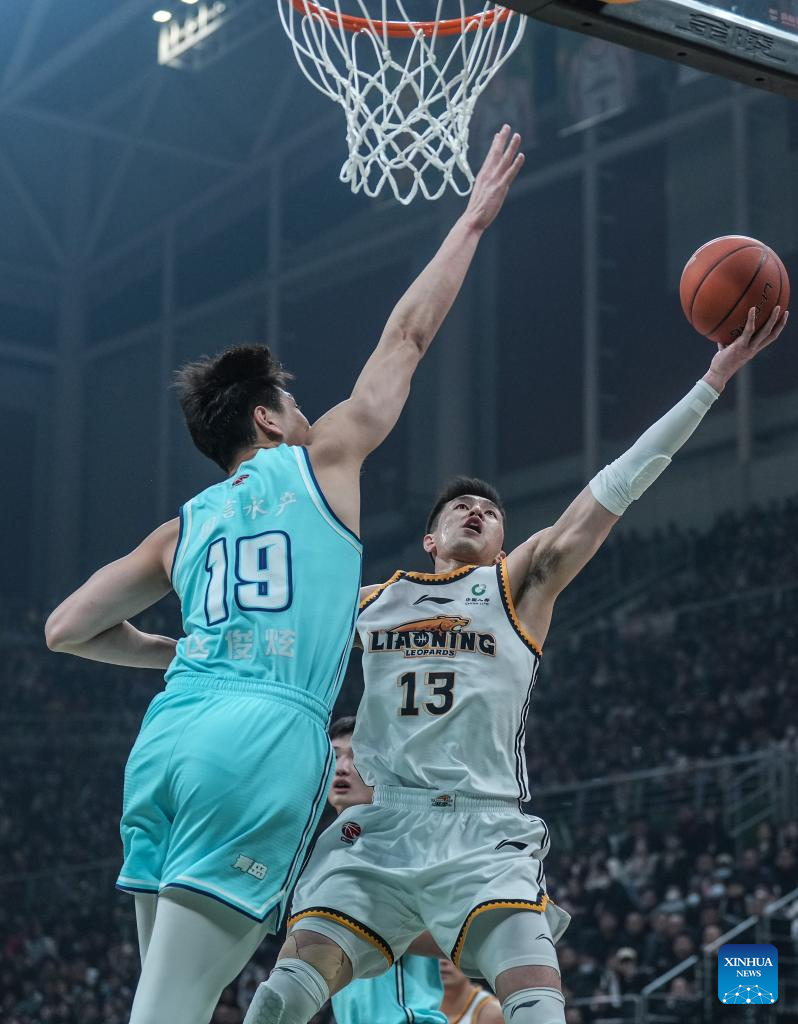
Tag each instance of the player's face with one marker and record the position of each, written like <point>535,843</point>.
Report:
<point>451,976</point>
<point>347,787</point>
<point>470,530</point>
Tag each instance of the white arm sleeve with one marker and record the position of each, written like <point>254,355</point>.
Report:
<point>619,484</point>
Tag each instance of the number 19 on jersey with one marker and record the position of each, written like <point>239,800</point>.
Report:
<point>262,572</point>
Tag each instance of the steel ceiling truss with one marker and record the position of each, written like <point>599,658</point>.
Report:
<point>33,211</point>
<point>23,48</point>
<point>74,52</point>
<point>22,79</point>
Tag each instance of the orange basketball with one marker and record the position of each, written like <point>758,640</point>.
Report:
<point>724,278</point>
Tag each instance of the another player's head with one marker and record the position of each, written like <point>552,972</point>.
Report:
<point>237,400</point>
<point>466,523</point>
<point>455,983</point>
<point>347,787</point>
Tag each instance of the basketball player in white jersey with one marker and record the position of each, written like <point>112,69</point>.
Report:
<point>450,659</point>
<point>464,1002</point>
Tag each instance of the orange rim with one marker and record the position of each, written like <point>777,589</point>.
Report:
<point>402,29</point>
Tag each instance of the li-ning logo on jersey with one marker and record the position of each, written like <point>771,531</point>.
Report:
<point>441,635</point>
<point>350,832</point>
<point>239,480</point>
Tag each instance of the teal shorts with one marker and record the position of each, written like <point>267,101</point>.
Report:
<point>224,788</point>
<point>410,990</point>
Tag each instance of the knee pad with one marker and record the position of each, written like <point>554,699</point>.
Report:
<point>535,1006</point>
<point>327,958</point>
<point>294,993</point>
<point>366,960</point>
<point>521,939</point>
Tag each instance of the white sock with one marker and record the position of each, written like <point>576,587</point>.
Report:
<point>294,992</point>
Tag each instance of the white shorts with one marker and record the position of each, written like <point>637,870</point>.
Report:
<point>420,859</point>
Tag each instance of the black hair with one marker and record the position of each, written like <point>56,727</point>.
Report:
<point>464,485</point>
<point>218,395</point>
<point>342,727</point>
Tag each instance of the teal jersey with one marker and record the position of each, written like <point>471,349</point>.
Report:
<point>410,992</point>
<point>268,579</point>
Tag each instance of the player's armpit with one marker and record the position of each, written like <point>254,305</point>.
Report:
<point>543,566</point>
<point>92,622</point>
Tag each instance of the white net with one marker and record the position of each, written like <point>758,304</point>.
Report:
<point>408,99</point>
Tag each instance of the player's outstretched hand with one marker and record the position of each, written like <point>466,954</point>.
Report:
<point>729,358</point>
<point>495,177</point>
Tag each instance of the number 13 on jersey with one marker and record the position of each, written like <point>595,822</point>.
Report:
<point>438,684</point>
<point>262,571</point>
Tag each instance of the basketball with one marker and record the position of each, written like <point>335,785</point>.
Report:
<point>724,279</point>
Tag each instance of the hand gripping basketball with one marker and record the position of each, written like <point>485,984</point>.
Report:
<point>730,358</point>
<point>497,173</point>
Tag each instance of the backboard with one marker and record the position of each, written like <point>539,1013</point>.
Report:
<point>750,41</point>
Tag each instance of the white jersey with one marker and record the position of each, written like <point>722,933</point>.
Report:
<point>448,673</point>
<point>478,999</point>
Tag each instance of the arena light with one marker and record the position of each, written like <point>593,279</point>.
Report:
<point>185,40</point>
<point>162,16</point>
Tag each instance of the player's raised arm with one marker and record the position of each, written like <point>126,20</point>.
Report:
<point>92,622</point>
<point>546,563</point>
<point>353,429</point>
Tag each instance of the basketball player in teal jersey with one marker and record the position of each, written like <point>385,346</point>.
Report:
<point>450,659</point>
<point>226,782</point>
<point>411,990</point>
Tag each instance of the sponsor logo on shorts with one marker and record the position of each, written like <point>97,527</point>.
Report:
<point>443,800</point>
<point>249,866</point>
<point>514,843</point>
<point>350,832</point>
<point>441,636</point>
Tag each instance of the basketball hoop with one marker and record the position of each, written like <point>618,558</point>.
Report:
<point>408,88</point>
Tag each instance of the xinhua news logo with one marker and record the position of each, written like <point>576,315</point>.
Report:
<point>748,974</point>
